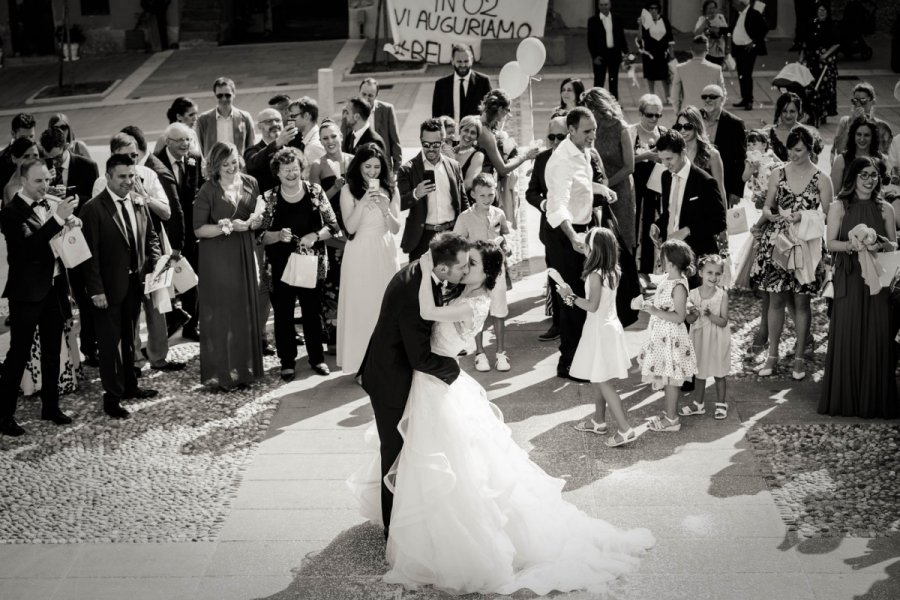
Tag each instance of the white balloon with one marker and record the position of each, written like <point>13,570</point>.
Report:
<point>531,55</point>
<point>513,80</point>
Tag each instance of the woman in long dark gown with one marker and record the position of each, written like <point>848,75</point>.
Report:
<point>820,55</point>
<point>859,376</point>
<point>231,344</point>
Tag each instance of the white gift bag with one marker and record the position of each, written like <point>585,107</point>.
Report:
<point>736,220</point>
<point>301,271</point>
<point>890,262</point>
<point>654,183</point>
<point>184,277</point>
<point>71,247</point>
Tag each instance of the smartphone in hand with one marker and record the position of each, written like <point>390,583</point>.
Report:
<point>429,177</point>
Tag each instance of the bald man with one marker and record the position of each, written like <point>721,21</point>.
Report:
<point>729,135</point>
<point>275,136</point>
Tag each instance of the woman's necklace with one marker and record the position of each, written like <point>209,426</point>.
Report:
<point>287,194</point>
<point>651,131</point>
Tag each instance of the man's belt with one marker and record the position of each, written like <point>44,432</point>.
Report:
<point>439,227</point>
<point>581,228</point>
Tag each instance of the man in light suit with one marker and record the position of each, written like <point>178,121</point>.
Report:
<point>384,121</point>
<point>124,247</point>
<point>729,134</point>
<point>225,122</point>
<point>693,75</point>
<point>607,45</point>
<point>356,119</point>
<point>435,200</point>
<point>460,94</point>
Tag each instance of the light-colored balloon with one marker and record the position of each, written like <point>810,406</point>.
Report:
<point>513,80</point>
<point>531,55</point>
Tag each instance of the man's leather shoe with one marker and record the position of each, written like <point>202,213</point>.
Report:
<point>321,369</point>
<point>190,333</point>
<point>112,408</point>
<point>91,360</point>
<point>549,335</point>
<point>300,339</point>
<point>175,320</point>
<point>139,394</point>
<point>268,349</point>
<point>57,416</point>
<point>169,365</point>
<point>11,428</point>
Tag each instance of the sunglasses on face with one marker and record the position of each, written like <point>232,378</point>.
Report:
<point>221,96</point>
<point>859,101</point>
<point>709,96</point>
<point>61,126</point>
<point>556,137</point>
<point>652,115</point>
<point>683,127</point>
<point>180,141</point>
<point>432,144</point>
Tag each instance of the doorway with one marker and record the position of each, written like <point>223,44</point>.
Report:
<point>31,27</point>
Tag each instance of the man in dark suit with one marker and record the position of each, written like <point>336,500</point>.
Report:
<point>181,182</point>
<point>124,247</point>
<point>401,343</point>
<point>693,210</point>
<point>748,40</point>
<point>607,45</point>
<point>727,132</point>
<point>355,118</point>
<point>460,94</point>
<point>536,195</point>
<point>81,173</point>
<point>431,187</point>
<point>22,127</point>
<point>37,291</point>
<point>384,121</point>
<point>274,137</point>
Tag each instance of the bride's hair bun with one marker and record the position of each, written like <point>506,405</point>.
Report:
<point>491,261</point>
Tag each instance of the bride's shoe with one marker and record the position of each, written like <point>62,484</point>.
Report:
<point>769,367</point>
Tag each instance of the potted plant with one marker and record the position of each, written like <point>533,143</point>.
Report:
<point>70,43</point>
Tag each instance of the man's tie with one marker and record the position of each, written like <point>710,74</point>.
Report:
<point>674,213</point>
<point>179,171</point>
<point>132,240</point>
<point>43,204</point>
<point>462,96</point>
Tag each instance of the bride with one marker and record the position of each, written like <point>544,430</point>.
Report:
<point>471,512</point>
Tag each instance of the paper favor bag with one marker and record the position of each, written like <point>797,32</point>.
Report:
<point>654,183</point>
<point>71,247</point>
<point>890,262</point>
<point>736,220</point>
<point>301,270</point>
<point>184,277</point>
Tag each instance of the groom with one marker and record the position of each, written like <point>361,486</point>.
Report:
<point>401,343</point>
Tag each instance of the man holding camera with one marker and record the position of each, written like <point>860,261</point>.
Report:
<point>275,136</point>
<point>431,188</point>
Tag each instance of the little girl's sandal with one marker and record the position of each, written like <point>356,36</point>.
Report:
<point>592,426</point>
<point>620,438</point>
<point>687,411</point>
<point>721,410</point>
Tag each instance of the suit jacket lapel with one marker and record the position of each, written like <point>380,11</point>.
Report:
<point>110,205</point>
<point>454,198</point>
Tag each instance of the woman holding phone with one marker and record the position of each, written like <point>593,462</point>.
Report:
<point>370,204</point>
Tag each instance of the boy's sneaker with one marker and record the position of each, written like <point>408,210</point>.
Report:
<point>481,362</point>
<point>502,362</point>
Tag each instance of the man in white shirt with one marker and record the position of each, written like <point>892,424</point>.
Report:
<point>607,46</point>
<point>570,204</point>
<point>460,94</point>
<point>748,40</point>
<point>305,113</point>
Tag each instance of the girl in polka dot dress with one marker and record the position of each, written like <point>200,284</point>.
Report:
<point>667,359</point>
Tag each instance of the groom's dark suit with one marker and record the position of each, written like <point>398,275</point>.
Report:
<point>400,344</point>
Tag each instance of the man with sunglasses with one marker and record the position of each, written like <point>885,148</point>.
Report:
<point>729,135</point>
<point>536,195</point>
<point>275,136</point>
<point>693,75</point>
<point>862,101</point>
<point>225,122</point>
<point>431,187</point>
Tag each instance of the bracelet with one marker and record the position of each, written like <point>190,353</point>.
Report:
<point>570,300</point>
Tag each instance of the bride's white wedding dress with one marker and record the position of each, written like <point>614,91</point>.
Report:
<point>471,512</point>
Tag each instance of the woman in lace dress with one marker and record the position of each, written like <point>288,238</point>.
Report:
<point>471,512</point>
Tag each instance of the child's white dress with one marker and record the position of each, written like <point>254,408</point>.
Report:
<point>712,343</point>
<point>602,353</point>
<point>667,357</point>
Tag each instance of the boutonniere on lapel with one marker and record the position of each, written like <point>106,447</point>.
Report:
<point>137,200</point>
<point>191,162</point>
<point>241,126</point>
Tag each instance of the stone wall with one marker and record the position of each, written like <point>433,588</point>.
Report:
<point>886,14</point>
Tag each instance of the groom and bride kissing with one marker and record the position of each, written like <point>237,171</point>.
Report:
<point>463,507</point>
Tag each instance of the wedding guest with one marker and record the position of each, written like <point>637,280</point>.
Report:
<point>434,202</point>
<point>297,219</point>
<point>859,378</point>
<point>862,141</point>
<point>656,45</point>
<point>37,291</point>
<point>184,111</point>
<point>728,134</point>
<point>467,152</point>
<point>370,204</point>
<point>570,91</point>
<point>819,53</point>
<point>23,125</point>
<point>304,112</point>
<point>355,118</point>
<point>226,122</point>
<point>384,120</point>
<point>702,154</point>
<point>280,102</point>
<point>231,344</point>
<point>274,137</point>
<point>607,46</point>
<point>863,101</point>
<point>329,172</point>
<point>646,201</point>
<point>124,247</point>
<point>748,40</point>
<point>459,95</point>
<point>693,75</point>
<point>614,143</point>
<point>450,138</point>
<point>795,187</point>
<point>712,24</point>
<point>788,113</point>
<point>21,150</point>
<point>75,146</point>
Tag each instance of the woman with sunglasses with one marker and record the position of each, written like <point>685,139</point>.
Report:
<point>570,91</point>
<point>183,110</point>
<point>690,124</point>
<point>61,122</point>
<point>862,140</point>
<point>646,202</point>
<point>859,376</point>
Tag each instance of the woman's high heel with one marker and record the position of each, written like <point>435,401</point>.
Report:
<point>798,372</point>
<point>769,367</point>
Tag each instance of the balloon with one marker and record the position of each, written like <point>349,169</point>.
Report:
<point>531,55</point>
<point>512,80</point>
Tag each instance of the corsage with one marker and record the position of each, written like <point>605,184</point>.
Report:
<point>226,225</point>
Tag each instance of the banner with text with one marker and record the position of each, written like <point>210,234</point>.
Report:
<point>424,30</point>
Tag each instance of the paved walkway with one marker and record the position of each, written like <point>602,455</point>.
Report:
<point>293,532</point>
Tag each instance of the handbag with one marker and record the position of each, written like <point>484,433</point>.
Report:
<point>736,220</point>
<point>782,250</point>
<point>301,270</point>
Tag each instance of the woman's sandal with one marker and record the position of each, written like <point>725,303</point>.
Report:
<point>721,410</point>
<point>769,367</point>
<point>798,371</point>
<point>620,438</point>
<point>687,411</point>
<point>663,423</point>
<point>592,426</point>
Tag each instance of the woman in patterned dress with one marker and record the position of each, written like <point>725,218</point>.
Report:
<point>820,55</point>
<point>797,186</point>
